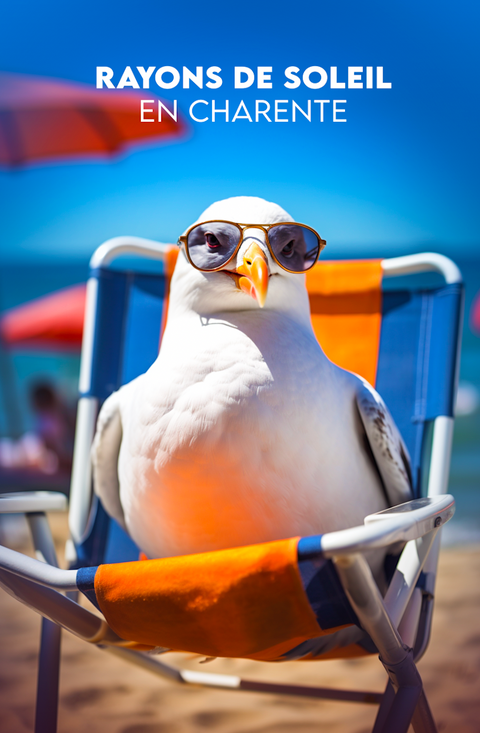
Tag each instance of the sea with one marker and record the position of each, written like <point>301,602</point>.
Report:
<point>22,282</point>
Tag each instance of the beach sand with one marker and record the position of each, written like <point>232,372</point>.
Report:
<point>102,694</point>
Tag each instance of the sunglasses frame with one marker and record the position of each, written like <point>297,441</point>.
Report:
<point>241,227</point>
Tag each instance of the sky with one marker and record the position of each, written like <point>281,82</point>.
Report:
<point>401,175</point>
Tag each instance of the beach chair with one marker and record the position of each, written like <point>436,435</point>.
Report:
<point>307,598</point>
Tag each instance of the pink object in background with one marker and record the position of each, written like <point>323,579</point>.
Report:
<point>475,315</point>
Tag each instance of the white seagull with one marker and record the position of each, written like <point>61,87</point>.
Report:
<point>243,431</point>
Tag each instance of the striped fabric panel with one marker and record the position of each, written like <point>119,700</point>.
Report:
<point>258,602</point>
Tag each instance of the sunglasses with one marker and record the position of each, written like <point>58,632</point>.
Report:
<point>213,244</point>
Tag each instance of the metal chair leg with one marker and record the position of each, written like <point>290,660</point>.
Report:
<point>384,709</point>
<point>401,711</point>
<point>48,677</point>
<point>422,720</point>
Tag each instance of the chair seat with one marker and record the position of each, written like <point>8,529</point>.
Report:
<point>258,602</point>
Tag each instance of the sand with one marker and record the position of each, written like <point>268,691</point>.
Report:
<point>102,694</point>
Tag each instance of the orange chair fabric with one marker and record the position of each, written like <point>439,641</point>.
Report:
<point>346,306</point>
<point>244,602</point>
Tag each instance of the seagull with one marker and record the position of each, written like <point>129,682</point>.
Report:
<point>243,431</point>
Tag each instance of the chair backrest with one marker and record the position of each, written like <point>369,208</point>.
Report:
<point>130,316</point>
<point>405,341</point>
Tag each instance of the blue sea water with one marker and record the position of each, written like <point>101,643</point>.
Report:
<point>20,283</point>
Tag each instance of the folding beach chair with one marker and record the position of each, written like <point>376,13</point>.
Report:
<point>300,598</point>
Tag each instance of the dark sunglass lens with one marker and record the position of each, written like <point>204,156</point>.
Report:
<point>211,245</point>
<point>295,247</point>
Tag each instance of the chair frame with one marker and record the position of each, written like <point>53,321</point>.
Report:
<point>392,622</point>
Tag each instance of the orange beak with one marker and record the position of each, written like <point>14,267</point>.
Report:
<point>254,274</point>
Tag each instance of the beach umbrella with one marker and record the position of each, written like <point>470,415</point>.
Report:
<point>54,321</point>
<point>44,119</point>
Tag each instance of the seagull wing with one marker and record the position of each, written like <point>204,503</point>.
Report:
<point>389,450</point>
<point>105,452</point>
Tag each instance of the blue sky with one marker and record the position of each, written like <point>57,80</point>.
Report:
<point>401,175</point>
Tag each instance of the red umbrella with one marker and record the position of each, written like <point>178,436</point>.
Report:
<point>43,118</point>
<point>54,321</point>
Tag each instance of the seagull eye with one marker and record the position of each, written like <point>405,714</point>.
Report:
<point>212,241</point>
<point>287,251</point>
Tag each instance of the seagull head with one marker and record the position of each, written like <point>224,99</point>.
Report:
<point>252,279</point>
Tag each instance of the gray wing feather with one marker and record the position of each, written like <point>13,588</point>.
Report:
<point>388,448</point>
<point>105,452</point>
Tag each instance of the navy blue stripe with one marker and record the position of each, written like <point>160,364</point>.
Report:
<point>325,594</point>
<point>322,585</point>
<point>86,578</point>
<point>86,583</point>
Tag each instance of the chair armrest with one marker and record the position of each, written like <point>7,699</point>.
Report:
<point>401,523</point>
<point>404,522</point>
<point>422,262</point>
<point>25,502</point>
<point>59,609</point>
<point>40,572</point>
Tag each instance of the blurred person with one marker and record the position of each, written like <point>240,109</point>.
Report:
<point>54,424</point>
